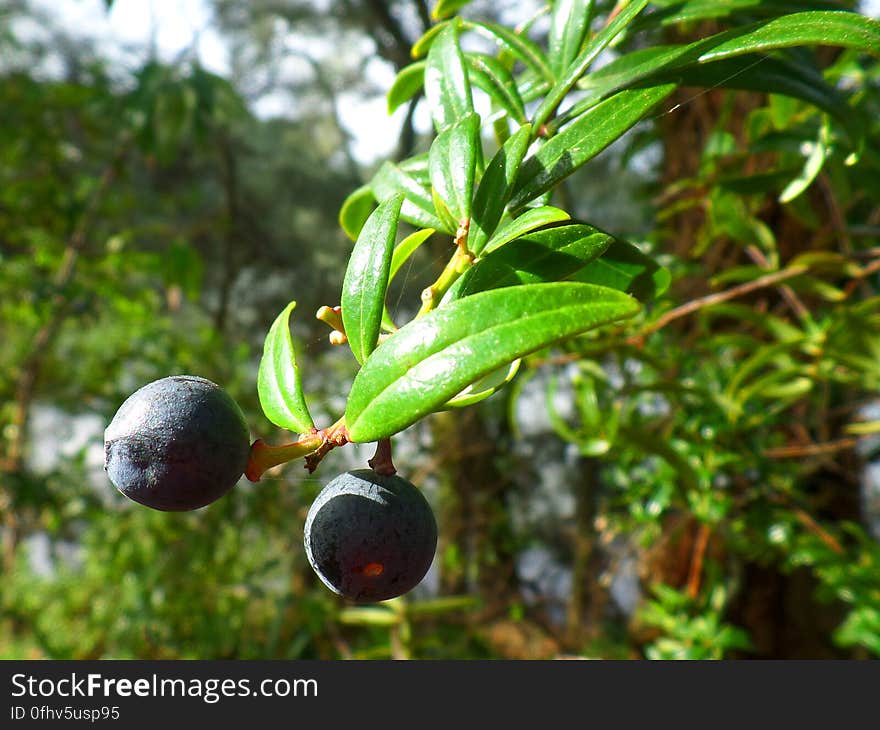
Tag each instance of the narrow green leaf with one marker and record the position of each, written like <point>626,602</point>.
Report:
<point>812,167</point>
<point>817,286</point>
<point>406,248</point>
<point>671,12</point>
<point>772,76</point>
<point>490,75</point>
<point>422,45</point>
<point>796,29</point>
<point>569,25</point>
<point>625,268</point>
<point>824,28</point>
<point>407,84</point>
<point>368,616</point>
<point>418,207</point>
<point>402,252</point>
<point>578,67</point>
<point>520,47</point>
<point>450,223</point>
<point>549,255</point>
<point>355,211</point>
<point>447,87</point>
<point>531,86</point>
<point>530,220</point>
<point>445,8</point>
<point>586,137</point>
<point>486,386</point>
<point>710,61</point>
<point>495,188</point>
<point>417,168</point>
<point>278,382</point>
<point>452,164</point>
<point>444,604</point>
<point>366,278</point>
<point>778,354</point>
<point>435,357</point>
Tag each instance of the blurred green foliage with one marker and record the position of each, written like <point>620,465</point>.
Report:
<point>150,224</point>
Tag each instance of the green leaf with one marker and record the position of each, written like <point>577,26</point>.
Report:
<point>495,188</point>
<point>490,75</point>
<point>756,72</point>
<point>542,256</point>
<point>366,278</point>
<point>812,167</point>
<point>406,248</point>
<point>578,67</point>
<point>583,139</point>
<point>625,268</point>
<point>417,167</point>
<point>823,28</point>
<point>418,206</point>
<point>569,25</point>
<point>407,84</point>
<point>679,64</point>
<point>435,357</point>
<point>447,87</point>
<point>530,220</point>
<point>402,252</point>
<point>368,616</point>
<point>355,211</point>
<point>520,47</point>
<point>689,11</point>
<point>445,8</point>
<point>278,382</point>
<point>452,164</point>
<point>449,222</point>
<point>422,45</point>
<point>486,386</point>
<point>772,76</point>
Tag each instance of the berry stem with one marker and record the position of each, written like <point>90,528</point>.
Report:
<point>314,446</point>
<point>381,462</point>
<point>263,456</point>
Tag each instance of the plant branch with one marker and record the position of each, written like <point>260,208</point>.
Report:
<point>811,449</point>
<point>710,300</point>
<point>695,571</point>
<point>797,306</point>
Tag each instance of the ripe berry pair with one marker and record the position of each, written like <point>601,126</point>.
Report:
<point>181,442</point>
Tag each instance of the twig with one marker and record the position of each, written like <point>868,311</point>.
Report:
<point>786,291</point>
<point>724,296</point>
<point>695,571</point>
<point>828,447</point>
<point>862,275</point>
<point>818,530</point>
<point>807,521</point>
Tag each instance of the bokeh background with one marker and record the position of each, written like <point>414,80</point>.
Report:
<point>170,178</point>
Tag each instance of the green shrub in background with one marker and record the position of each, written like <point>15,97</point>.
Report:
<point>710,374</point>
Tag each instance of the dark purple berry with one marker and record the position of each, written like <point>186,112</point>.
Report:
<point>370,537</point>
<point>177,444</point>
